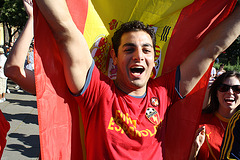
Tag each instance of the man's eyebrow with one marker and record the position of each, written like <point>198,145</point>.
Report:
<point>147,45</point>
<point>129,45</point>
<point>133,45</point>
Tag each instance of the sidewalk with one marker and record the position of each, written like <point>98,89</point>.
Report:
<point>20,110</point>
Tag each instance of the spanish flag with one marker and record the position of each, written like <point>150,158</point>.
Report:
<point>179,25</point>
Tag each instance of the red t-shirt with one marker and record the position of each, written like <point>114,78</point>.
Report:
<point>119,126</point>
<point>215,126</point>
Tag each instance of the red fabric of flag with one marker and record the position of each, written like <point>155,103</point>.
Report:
<point>58,112</point>
<point>4,128</point>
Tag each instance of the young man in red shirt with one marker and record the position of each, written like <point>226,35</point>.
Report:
<point>125,118</point>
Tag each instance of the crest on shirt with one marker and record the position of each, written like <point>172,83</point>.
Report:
<point>154,101</point>
<point>153,116</point>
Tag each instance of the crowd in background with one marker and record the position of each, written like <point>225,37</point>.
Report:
<point>5,50</point>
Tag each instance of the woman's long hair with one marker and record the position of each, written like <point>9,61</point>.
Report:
<point>214,103</point>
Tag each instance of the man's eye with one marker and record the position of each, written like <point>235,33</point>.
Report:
<point>129,50</point>
<point>146,51</point>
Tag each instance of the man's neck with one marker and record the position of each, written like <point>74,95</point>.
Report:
<point>135,92</point>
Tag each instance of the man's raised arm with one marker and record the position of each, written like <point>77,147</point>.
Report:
<point>218,40</point>
<point>73,48</point>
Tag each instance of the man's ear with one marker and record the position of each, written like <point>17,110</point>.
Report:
<point>113,55</point>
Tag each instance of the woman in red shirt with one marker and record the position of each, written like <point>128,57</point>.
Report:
<point>224,102</point>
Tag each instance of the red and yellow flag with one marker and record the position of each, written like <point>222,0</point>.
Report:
<point>179,27</point>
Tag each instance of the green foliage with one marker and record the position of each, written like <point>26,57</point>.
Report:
<point>228,66</point>
<point>12,14</point>
<point>231,55</point>
<point>1,3</point>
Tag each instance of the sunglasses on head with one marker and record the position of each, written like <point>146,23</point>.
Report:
<point>225,88</point>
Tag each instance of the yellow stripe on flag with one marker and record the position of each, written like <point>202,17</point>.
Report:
<point>94,27</point>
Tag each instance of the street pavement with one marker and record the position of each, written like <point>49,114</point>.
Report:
<point>20,110</point>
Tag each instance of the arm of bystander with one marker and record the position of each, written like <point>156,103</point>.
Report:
<point>14,67</point>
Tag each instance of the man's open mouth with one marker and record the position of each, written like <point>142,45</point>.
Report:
<point>137,70</point>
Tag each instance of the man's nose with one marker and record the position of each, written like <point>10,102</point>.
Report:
<point>138,54</point>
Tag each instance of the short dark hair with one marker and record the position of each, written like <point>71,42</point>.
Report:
<point>214,103</point>
<point>129,27</point>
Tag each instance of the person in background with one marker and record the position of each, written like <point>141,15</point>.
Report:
<point>8,51</point>
<point>15,65</point>
<point>224,97</point>
<point>212,76</point>
<point>213,73</point>
<point>3,78</point>
<point>5,47</point>
<point>221,70</point>
<point>29,63</point>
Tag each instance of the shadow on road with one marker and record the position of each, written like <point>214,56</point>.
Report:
<point>24,117</point>
<point>32,141</point>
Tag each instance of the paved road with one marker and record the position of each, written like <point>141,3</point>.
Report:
<point>20,110</point>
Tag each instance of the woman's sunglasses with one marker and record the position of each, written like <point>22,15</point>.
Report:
<point>225,88</point>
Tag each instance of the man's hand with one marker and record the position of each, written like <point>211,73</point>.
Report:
<point>28,5</point>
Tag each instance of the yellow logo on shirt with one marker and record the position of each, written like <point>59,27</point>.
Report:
<point>124,124</point>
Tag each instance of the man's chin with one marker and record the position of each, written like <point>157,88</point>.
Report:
<point>139,83</point>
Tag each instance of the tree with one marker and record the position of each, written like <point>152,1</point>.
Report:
<point>1,3</point>
<point>12,15</point>
<point>232,54</point>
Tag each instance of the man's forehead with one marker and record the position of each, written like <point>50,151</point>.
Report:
<point>135,38</point>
